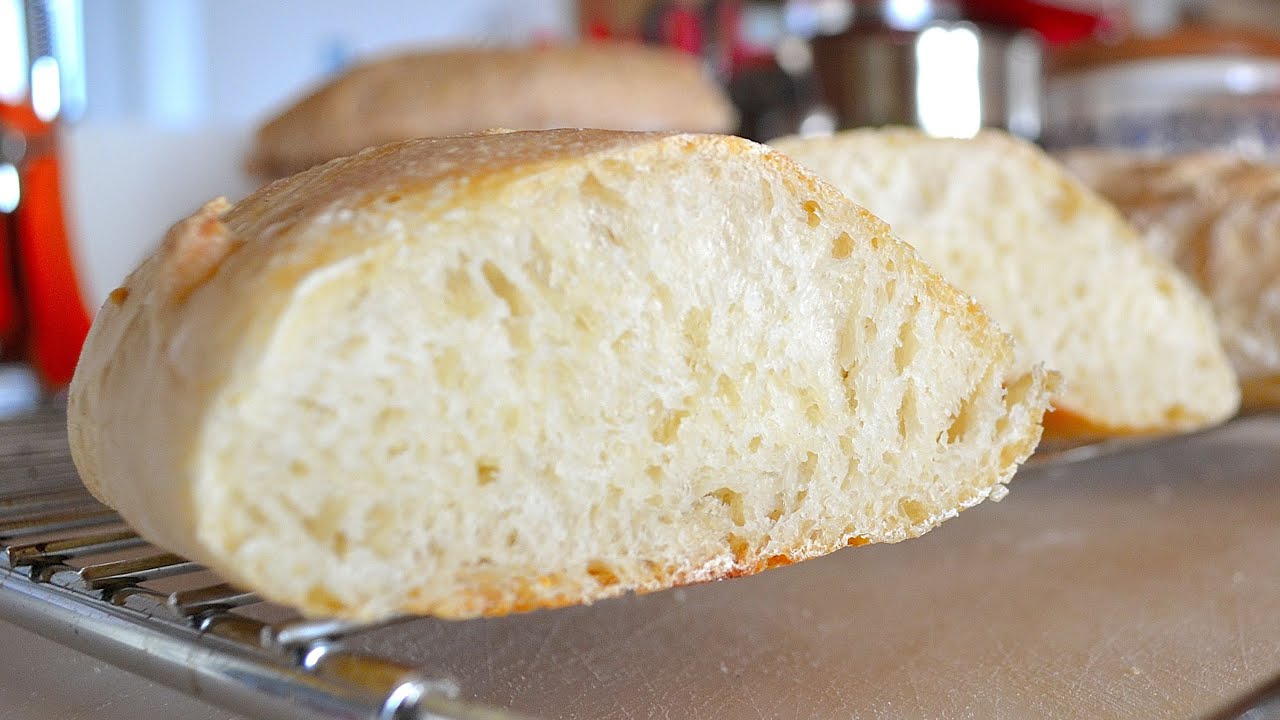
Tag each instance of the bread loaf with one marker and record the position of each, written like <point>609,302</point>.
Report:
<point>1056,265</point>
<point>1217,215</point>
<point>601,85</point>
<point>476,375</point>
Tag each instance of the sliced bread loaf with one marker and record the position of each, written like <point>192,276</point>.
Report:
<point>485,374</point>
<point>1217,216</point>
<point>1055,265</point>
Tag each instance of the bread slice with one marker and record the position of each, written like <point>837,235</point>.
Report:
<point>617,86</point>
<point>1056,265</point>
<point>477,375</point>
<point>1217,216</point>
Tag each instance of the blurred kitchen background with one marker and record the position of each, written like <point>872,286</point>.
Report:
<point>121,116</point>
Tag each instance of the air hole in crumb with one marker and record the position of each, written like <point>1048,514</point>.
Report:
<point>512,538</point>
<point>298,468</point>
<point>858,541</point>
<point>808,467</point>
<point>814,414</point>
<point>908,346</point>
<point>624,341</point>
<point>774,561</point>
<point>842,247</point>
<point>732,500</point>
<point>754,444</point>
<point>398,449</point>
<point>766,197</point>
<point>392,199</point>
<point>727,391</point>
<point>613,499</point>
<point>591,187</point>
<point>914,510</point>
<point>1165,287</point>
<point>908,412</point>
<point>585,320</point>
<point>502,286</point>
<point>603,573</point>
<point>654,473</point>
<point>775,514</point>
<point>811,209</point>
<point>964,420</point>
<point>738,546</point>
<point>448,367</point>
<point>801,496</point>
<point>667,427</point>
<point>387,419</point>
<point>697,327</point>
<point>486,473</point>
<point>460,293</point>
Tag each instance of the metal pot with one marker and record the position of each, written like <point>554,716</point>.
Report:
<point>921,63</point>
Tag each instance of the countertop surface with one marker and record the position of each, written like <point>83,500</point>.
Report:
<point>1145,584</point>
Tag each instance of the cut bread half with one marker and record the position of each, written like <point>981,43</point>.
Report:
<point>1217,216</point>
<point>485,374</point>
<point>1054,264</point>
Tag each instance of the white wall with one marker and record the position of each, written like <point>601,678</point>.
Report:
<point>188,63</point>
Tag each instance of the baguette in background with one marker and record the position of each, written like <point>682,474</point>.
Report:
<point>614,86</point>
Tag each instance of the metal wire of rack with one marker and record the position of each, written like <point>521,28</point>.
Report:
<point>71,570</point>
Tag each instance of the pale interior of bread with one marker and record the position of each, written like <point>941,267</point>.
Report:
<point>597,383</point>
<point>1052,263</point>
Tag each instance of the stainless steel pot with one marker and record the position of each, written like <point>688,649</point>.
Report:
<point>921,63</point>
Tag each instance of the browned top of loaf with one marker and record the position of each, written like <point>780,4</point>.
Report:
<point>611,86</point>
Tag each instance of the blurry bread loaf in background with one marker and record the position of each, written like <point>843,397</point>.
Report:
<point>1054,264</point>
<point>477,375</point>
<point>1217,215</point>
<point>613,86</point>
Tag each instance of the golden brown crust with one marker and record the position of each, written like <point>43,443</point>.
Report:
<point>610,86</point>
